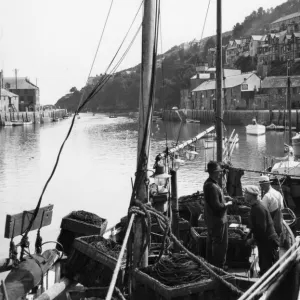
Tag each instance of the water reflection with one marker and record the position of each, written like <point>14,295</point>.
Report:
<point>98,162</point>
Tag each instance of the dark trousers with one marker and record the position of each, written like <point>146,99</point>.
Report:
<point>268,255</point>
<point>216,245</point>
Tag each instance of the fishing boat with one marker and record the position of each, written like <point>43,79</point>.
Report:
<point>172,272</point>
<point>16,123</point>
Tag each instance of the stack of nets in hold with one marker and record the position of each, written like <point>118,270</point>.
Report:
<point>191,206</point>
<point>240,207</point>
<point>233,233</point>
<point>109,247</point>
<point>86,217</point>
<point>177,270</point>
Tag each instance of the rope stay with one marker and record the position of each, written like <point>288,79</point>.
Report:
<point>94,91</point>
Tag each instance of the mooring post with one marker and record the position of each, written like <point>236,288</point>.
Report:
<point>174,205</point>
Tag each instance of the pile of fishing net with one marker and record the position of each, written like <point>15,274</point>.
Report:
<point>86,217</point>
<point>233,233</point>
<point>177,269</point>
<point>108,247</point>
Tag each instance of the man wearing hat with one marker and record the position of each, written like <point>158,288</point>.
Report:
<point>273,202</point>
<point>263,230</point>
<point>215,216</point>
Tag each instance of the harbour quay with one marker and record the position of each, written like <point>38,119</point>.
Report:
<point>235,117</point>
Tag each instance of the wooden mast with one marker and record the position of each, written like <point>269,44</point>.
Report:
<point>219,100</point>
<point>148,38</point>
<point>289,101</point>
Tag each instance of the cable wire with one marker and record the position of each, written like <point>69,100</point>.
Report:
<point>95,90</point>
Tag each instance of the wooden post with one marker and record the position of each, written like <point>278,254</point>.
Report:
<point>219,100</point>
<point>174,204</point>
<point>148,38</point>
<point>56,289</point>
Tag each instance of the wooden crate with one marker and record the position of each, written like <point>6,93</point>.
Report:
<point>72,229</point>
<point>149,288</point>
<point>90,265</point>
<point>79,293</point>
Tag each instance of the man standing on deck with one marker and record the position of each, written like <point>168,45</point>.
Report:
<point>215,216</point>
<point>273,202</point>
<point>263,230</point>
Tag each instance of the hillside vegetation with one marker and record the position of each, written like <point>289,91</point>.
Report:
<point>179,64</point>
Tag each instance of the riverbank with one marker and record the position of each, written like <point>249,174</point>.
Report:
<point>46,116</point>
<point>236,117</point>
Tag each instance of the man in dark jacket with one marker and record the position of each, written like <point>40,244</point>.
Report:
<point>262,228</point>
<point>215,216</point>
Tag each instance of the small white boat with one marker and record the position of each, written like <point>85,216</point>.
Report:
<point>296,145</point>
<point>256,129</point>
<point>29,122</point>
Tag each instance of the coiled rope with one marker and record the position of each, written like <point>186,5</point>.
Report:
<point>164,222</point>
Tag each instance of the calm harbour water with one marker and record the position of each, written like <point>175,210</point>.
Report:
<point>97,163</point>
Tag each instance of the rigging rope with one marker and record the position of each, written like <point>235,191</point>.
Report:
<point>94,91</point>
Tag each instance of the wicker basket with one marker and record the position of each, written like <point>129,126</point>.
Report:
<point>150,288</point>
<point>72,229</point>
<point>91,266</point>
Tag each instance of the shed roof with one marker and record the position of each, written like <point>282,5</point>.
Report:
<point>230,82</point>
<point>201,76</point>
<point>256,37</point>
<point>291,16</point>
<point>6,93</point>
<point>23,83</point>
<point>279,82</point>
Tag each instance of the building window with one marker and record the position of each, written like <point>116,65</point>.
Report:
<point>25,91</point>
<point>279,92</point>
<point>30,100</point>
<point>294,90</point>
<point>21,99</point>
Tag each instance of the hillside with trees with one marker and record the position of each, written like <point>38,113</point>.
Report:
<point>175,67</point>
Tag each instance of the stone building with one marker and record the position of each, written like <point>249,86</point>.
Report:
<point>283,22</point>
<point>275,87</point>
<point>29,94</point>
<point>239,91</point>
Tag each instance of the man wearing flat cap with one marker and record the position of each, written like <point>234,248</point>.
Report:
<point>273,202</point>
<point>263,230</point>
<point>215,216</point>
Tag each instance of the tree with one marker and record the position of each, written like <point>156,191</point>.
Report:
<point>73,89</point>
<point>237,30</point>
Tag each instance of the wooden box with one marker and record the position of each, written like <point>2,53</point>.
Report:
<point>72,229</point>
<point>90,265</point>
<point>149,288</point>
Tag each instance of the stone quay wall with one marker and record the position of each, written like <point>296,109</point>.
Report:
<point>46,116</point>
<point>237,117</point>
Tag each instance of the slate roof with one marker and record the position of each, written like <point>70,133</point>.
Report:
<point>6,93</point>
<point>279,82</point>
<point>291,16</point>
<point>202,76</point>
<point>22,82</point>
<point>230,82</point>
<point>256,37</point>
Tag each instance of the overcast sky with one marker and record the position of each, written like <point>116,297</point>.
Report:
<point>54,42</point>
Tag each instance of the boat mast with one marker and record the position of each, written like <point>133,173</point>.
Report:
<point>219,100</point>
<point>289,101</point>
<point>148,38</point>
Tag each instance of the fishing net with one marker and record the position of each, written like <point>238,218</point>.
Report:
<point>86,217</point>
<point>177,269</point>
<point>109,247</point>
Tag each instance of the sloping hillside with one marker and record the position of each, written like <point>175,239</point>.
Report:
<point>174,67</point>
